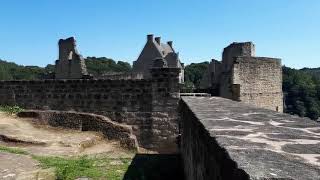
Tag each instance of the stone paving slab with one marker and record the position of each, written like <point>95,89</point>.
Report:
<point>264,143</point>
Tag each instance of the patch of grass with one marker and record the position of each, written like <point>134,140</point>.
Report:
<point>11,109</point>
<point>13,150</point>
<point>83,166</point>
<point>72,168</point>
<point>141,166</point>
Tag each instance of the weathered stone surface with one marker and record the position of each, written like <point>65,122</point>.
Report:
<point>120,75</point>
<point>149,104</point>
<point>70,64</point>
<point>260,81</point>
<point>243,77</point>
<point>224,139</point>
<point>85,122</point>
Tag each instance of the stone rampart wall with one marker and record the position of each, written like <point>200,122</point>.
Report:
<point>203,157</point>
<point>119,76</point>
<point>150,106</point>
<point>224,139</point>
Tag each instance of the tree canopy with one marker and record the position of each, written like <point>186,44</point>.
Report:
<point>102,65</point>
<point>301,92</point>
<point>95,66</point>
<point>12,71</point>
<point>194,72</point>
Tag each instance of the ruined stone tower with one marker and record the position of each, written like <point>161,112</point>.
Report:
<point>244,77</point>
<point>70,64</point>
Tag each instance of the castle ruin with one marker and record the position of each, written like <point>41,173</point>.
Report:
<point>216,138</point>
<point>239,76</point>
<point>244,77</point>
<point>70,64</point>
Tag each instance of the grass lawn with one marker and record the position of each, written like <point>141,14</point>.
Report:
<point>139,167</point>
<point>13,150</point>
<point>84,166</point>
<point>11,109</point>
<point>70,168</point>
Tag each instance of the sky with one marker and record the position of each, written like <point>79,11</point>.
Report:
<point>199,29</point>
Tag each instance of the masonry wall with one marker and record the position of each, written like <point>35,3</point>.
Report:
<point>236,49</point>
<point>203,157</point>
<point>224,139</point>
<point>122,75</point>
<point>258,81</point>
<point>70,64</point>
<point>84,122</point>
<point>150,106</point>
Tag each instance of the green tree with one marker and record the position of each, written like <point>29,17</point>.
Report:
<point>193,73</point>
<point>95,66</point>
<point>302,92</point>
<point>102,65</point>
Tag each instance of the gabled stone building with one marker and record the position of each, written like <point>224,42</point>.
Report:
<point>70,64</point>
<point>154,50</point>
<point>244,77</point>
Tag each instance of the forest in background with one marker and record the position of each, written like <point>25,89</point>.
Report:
<point>301,87</point>
<point>96,66</point>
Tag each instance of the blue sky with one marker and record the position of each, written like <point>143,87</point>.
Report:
<point>287,29</point>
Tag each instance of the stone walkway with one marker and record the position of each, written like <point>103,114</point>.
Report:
<point>264,143</point>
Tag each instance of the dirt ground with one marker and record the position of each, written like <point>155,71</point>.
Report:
<point>13,164</point>
<point>46,141</point>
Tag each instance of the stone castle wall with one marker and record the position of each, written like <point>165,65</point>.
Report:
<point>259,82</point>
<point>122,75</point>
<point>203,157</point>
<point>244,77</point>
<point>223,139</point>
<point>236,49</point>
<point>150,106</point>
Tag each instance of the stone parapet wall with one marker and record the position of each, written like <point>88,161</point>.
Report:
<point>78,95</point>
<point>223,139</point>
<point>122,75</point>
<point>203,157</point>
<point>148,105</point>
<point>84,122</point>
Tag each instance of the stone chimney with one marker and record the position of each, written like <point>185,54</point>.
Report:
<point>150,37</point>
<point>158,40</point>
<point>170,44</point>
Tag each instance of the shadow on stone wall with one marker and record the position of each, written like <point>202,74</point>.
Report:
<point>155,167</point>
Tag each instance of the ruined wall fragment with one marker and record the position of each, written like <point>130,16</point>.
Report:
<point>70,64</point>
